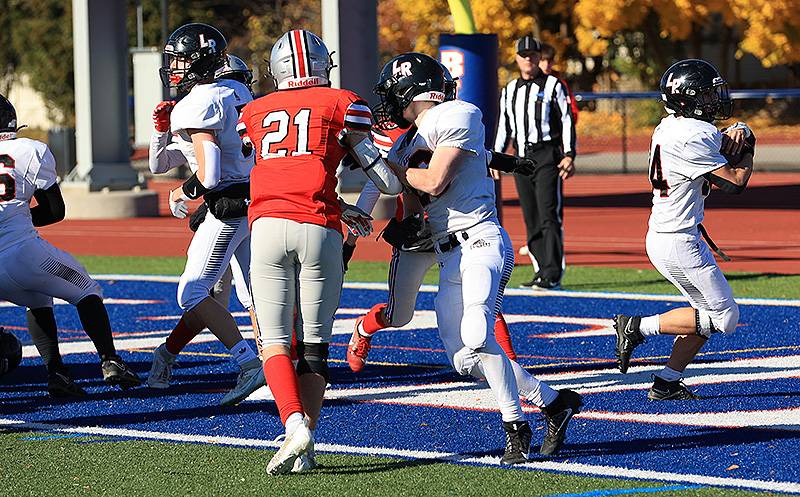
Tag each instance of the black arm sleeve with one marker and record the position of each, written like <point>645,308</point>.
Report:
<point>724,185</point>
<point>193,188</point>
<point>51,206</point>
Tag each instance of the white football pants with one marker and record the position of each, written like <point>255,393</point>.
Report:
<point>34,272</point>
<point>469,281</point>
<point>214,246</point>
<point>687,262</point>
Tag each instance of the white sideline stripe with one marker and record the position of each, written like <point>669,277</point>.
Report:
<point>589,295</point>
<point>3,303</point>
<point>563,467</point>
<point>509,291</point>
<point>779,419</point>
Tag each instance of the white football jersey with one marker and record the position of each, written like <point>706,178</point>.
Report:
<point>469,198</point>
<point>215,107</point>
<point>681,152</point>
<point>25,166</point>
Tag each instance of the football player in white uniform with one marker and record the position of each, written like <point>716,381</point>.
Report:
<point>443,158</point>
<point>165,158</point>
<point>412,257</point>
<point>688,154</point>
<point>412,253</point>
<point>34,272</point>
<point>203,131</point>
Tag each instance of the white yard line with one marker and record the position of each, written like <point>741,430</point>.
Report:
<point>564,467</point>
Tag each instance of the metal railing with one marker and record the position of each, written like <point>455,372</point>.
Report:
<point>616,136</point>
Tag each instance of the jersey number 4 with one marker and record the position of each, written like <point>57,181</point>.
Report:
<point>270,144</point>
<point>656,174</point>
<point>8,187</point>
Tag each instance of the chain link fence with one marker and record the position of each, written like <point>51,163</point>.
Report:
<point>614,129</point>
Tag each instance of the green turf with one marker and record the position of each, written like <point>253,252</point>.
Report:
<point>583,278</point>
<point>100,466</point>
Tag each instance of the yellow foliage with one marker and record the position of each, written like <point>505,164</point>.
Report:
<point>772,29</point>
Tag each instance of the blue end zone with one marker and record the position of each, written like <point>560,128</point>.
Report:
<point>745,429</point>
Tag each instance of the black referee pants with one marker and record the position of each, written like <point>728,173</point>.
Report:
<point>540,197</point>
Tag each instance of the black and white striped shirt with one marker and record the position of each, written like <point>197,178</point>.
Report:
<point>534,111</point>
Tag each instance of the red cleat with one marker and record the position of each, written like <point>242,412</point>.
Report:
<point>358,349</point>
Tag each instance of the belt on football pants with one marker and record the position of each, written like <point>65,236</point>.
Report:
<point>452,241</point>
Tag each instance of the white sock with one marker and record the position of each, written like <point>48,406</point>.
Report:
<point>500,377</point>
<point>242,352</point>
<point>167,352</point>
<point>361,330</point>
<point>538,393</point>
<point>649,326</point>
<point>669,374</point>
<point>295,421</point>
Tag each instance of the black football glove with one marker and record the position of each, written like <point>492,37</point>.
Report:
<point>511,164</point>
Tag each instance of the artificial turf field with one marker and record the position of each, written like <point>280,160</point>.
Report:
<point>408,425</point>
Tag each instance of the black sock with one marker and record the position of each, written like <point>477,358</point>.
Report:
<point>44,333</point>
<point>94,319</point>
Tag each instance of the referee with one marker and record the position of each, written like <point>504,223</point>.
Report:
<point>536,121</point>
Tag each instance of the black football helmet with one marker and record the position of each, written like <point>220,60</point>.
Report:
<point>8,116</point>
<point>10,352</point>
<point>192,54</point>
<point>405,78</point>
<point>694,88</point>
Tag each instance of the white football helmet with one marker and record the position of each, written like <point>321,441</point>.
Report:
<point>300,59</point>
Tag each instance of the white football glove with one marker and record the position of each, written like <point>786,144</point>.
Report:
<point>178,207</point>
<point>358,222</point>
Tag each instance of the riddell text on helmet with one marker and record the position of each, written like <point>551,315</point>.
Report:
<point>303,83</point>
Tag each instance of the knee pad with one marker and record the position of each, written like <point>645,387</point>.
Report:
<point>466,362</point>
<point>704,326</point>
<point>189,297</point>
<point>312,358</point>
<point>475,326</point>
<point>726,321</point>
<point>93,290</point>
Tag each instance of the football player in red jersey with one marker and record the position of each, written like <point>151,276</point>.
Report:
<point>300,133</point>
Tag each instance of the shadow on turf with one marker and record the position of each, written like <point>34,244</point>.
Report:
<point>371,467</point>
<point>702,437</point>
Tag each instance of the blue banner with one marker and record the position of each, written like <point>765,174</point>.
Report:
<point>473,60</point>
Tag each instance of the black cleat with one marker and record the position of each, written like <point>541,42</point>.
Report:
<point>61,386</point>
<point>116,372</point>
<point>540,283</point>
<point>557,415</point>
<point>628,338</point>
<point>670,390</point>
<point>518,442</point>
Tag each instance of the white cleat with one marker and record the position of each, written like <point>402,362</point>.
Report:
<point>250,379</point>
<point>300,442</point>
<point>305,462</point>
<point>161,370</point>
